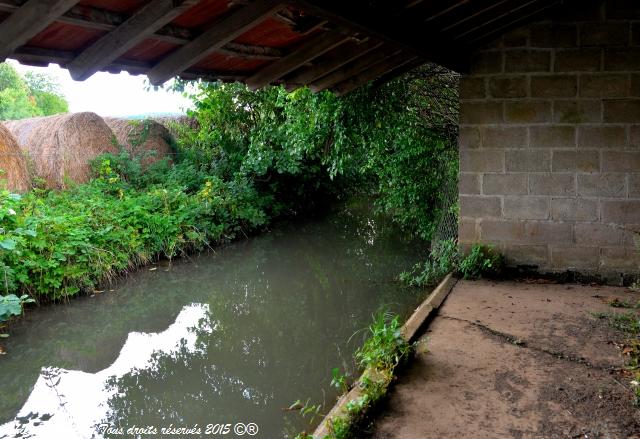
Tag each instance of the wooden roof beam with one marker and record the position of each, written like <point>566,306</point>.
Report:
<point>513,15</point>
<point>309,50</point>
<point>101,19</point>
<point>357,66</point>
<point>28,21</point>
<point>408,34</point>
<point>143,23</point>
<point>222,32</point>
<point>379,69</point>
<point>333,62</point>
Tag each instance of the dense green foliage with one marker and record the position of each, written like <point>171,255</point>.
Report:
<point>34,95</point>
<point>445,257</point>
<point>396,141</point>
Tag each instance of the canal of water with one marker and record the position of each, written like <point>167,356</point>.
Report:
<point>229,337</point>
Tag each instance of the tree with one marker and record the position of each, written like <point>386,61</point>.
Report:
<point>36,94</point>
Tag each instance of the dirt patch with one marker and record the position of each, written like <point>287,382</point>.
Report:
<point>515,360</point>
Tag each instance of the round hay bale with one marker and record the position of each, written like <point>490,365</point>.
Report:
<point>12,162</point>
<point>61,147</point>
<point>174,123</point>
<point>146,139</point>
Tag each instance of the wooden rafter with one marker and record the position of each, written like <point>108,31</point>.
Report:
<point>100,19</point>
<point>495,23</point>
<point>332,62</point>
<point>144,22</point>
<point>353,68</point>
<point>408,34</point>
<point>222,32</point>
<point>309,50</point>
<point>377,70</point>
<point>508,23</point>
<point>28,21</point>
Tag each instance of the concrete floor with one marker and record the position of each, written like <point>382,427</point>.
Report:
<point>515,360</point>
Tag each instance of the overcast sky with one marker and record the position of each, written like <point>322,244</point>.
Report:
<point>112,95</point>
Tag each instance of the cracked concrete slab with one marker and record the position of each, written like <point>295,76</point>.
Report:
<point>515,360</point>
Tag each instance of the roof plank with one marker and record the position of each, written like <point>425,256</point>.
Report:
<point>333,62</point>
<point>224,31</point>
<point>143,23</point>
<point>385,66</point>
<point>360,64</point>
<point>28,21</point>
<point>406,32</point>
<point>309,50</point>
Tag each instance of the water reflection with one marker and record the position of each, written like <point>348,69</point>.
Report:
<point>278,311</point>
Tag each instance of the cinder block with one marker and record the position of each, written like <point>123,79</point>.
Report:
<point>609,85</point>
<point>554,136</point>
<point>602,136</point>
<point>623,10</point>
<point>481,112</point>
<point>622,111</point>
<point>604,34</point>
<point>469,137</point>
<point>617,161</point>
<point>480,207</point>
<point>526,208</point>
<point>524,61</point>
<point>536,255</point>
<point>597,234</point>
<point>554,86</point>
<point>621,211</point>
<point>472,87</point>
<point>467,231</point>
<point>504,137</point>
<point>634,141</point>
<point>528,112</point>
<point>552,184</point>
<point>517,38</point>
<point>578,60</point>
<point>492,231</point>
<point>577,112</point>
<point>602,185</point>
<point>575,161</point>
<point>487,62</point>
<point>622,60</point>
<point>528,161</point>
<point>485,160</point>
<point>548,233</point>
<point>623,259</point>
<point>469,184</point>
<point>634,186</point>
<point>635,82</point>
<point>504,184</point>
<point>574,209</point>
<point>576,258</point>
<point>553,35</point>
<point>508,87</point>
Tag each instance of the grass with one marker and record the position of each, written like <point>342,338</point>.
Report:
<point>628,323</point>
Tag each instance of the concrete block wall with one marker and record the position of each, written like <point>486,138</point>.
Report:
<point>550,142</point>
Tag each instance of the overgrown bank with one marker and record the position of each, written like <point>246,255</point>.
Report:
<point>251,157</point>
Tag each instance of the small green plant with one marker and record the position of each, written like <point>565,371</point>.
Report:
<point>443,259</point>
<point>12,306</point>
<point>482,261</point>
<point>339,380</point>
<point>628,322</point>
<point>306,409</point>
<point>385,347</point>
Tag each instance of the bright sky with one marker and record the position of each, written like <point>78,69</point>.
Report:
<point>112,95</point>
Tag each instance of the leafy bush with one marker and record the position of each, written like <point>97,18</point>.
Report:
<point>385,347</point>
<point>443,259</point>
<point>482,261</point>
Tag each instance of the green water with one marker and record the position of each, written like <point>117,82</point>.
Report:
<point>227,337</point>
